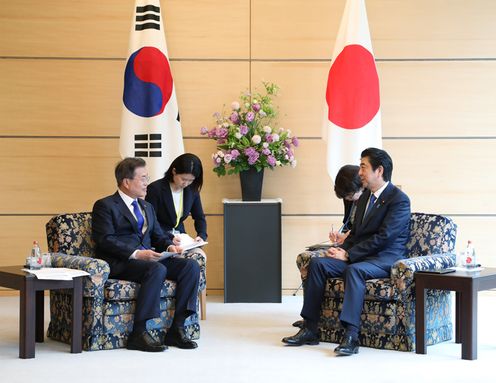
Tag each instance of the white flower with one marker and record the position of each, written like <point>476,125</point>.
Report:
<point>220,153</point>
<point>256,139</point>
<point>225,125</point>
<point>218,160</point>
<point>286,157</point>
<point>275,137</point>
<point>278,163</point>
<point>265,145</point>
<point>238,135</point>
<point>267,129</point>
<point>227,158</point>
<point>235,105</point>
<point>293,164</point>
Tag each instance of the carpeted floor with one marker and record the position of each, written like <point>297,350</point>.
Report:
<point>242,343</point>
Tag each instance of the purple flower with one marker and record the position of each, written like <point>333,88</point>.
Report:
<point>295,141</point>
<point>222,133</point>
<point>256,107</point>
<point>203,131</point>
<point>234,117</point>
<point>271,160</point>
<point>243,129</point>
<point>234,154</point>
<point>250,151</point>
<point>212,133</point>
<point>266,151</point>
<point>221,141</point>
<point>253,158</point>
<point>250,116</point>
<point>268,138</point>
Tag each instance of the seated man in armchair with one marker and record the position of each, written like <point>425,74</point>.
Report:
<point>377,240</point>
<point>128,236</point>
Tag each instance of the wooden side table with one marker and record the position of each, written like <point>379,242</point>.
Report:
<point>31,325</point>
<point>466,284</point>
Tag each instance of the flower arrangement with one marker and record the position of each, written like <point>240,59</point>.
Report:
<point>246,137</point>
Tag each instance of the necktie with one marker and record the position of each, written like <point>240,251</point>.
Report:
<point>139,216</point>
<point>371,204</point>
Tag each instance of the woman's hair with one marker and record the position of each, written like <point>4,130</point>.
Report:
<point>187,163</point>
<point>347,181</point>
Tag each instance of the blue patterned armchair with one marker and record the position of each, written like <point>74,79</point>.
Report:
<point>388,314</point>
<point>108,304</point>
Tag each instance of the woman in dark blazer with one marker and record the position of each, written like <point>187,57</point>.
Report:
<point>177,195</point>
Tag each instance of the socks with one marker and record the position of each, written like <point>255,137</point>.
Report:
<point>352,331</point>
<point>139,326</point>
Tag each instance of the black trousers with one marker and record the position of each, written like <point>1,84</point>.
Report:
<point>151,276</point>
<point>354,275</point>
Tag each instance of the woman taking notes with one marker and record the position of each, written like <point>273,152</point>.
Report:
<point>176,196</point>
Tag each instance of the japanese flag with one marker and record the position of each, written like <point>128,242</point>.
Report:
<point>352,110</point>
<point>150,126</point>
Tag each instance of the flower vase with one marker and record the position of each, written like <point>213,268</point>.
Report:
<point>251,184</point>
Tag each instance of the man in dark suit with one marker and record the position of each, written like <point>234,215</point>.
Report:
<point>128,236</point>
<point>377,240</point>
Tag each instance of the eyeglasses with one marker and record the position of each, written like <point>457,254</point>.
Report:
<point>143,179</point>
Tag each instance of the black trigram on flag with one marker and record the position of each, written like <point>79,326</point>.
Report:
<point>147,17</point>
<point>148,145</point>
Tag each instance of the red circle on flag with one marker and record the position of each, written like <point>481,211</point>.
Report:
<point>353,88</point>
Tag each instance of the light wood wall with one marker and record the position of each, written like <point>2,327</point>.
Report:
<point>61,71</point>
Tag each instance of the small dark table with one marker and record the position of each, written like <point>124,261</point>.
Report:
<point>31,325</point>
<point>466,284</point>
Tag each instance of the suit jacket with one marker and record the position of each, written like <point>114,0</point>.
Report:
<point>116,234</point>
<point>160,196</point>
<point>380,237</point>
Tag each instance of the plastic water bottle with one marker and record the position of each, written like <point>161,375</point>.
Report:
<point>469,256</point>
<point>36,253</point>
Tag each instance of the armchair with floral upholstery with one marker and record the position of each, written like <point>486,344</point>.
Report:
<point>108,304</point>
<point>388,314</point>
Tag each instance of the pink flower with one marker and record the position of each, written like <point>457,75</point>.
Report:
<point>250,116</point>
<point>256,139</point>
<point>222,133</point>
<point>271,160</point>
<point>234,117</point>
<point>243,129</point>
<point>256,107</point>
<point>295,141</point>
<point>203,131</point>
<point>235,105</point>
<point>234,154</point>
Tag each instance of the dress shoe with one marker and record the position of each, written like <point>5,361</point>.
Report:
<point>299,324</point>
<point>143,341</point>
<point>304,336</point>
<point>348,346</point>
<point>176,337</point>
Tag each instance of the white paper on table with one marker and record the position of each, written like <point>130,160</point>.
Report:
<point>57,273</point>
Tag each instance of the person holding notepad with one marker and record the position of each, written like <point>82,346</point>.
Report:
<point>176,196</point>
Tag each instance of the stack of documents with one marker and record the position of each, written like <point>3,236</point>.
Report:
<point>57,273</point>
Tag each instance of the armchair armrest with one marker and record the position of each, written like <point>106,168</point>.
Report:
<point>98,269</point>
<point>402,272</point>
<point>199,256</point>
<point>303,259</point>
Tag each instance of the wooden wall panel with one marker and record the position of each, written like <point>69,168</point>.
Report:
<point>84,98</point>
<point>443,98</point>
<point>61,97</point>
<point>419,99</point>
<point>54,175</point>
<point>301,29</point>
<point>194,28</point>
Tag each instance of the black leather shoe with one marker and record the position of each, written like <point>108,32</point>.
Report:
<point>348,346</point>
<point>144,342</point>
<point>304,336</point>
<point>299,324</point>
<point>176,337</point>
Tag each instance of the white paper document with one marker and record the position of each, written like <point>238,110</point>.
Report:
<point>57,273</point>
<point>188,243</point>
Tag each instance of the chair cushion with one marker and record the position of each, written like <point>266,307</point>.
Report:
<point>376,289</point>
<point>119,290</point>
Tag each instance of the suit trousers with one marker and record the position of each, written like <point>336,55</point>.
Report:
<point>151,276</point>
<point>354,275</point>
